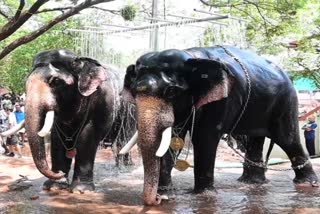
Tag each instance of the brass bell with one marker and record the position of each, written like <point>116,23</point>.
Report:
<point>176,143</point>
<point>182,165</point>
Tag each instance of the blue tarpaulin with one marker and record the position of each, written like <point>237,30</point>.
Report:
<point>304,84</point>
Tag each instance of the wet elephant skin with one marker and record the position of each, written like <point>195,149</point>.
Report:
<point>84,96</point>
<point>215,81</point>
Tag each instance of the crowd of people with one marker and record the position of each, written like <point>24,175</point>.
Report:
<point>11,114</point>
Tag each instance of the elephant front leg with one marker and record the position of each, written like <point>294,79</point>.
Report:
<point>59,163</point>
<point>205,147</point>
<point>254,152</point>
<point>166,165</point>
<point>82,180</point>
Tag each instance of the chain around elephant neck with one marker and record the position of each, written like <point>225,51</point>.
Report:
<point>181,128</point>
<point>193,114</point>
<point>76,133</point>
<point>246,72</point>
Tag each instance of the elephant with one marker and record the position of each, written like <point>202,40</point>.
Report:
<point>230,91</point>
<point>75,103</point>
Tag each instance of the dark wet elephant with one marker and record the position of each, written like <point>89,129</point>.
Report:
<point>216,82</point>
<point>79,98</point>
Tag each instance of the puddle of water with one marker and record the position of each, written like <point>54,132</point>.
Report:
<point>120,191</point>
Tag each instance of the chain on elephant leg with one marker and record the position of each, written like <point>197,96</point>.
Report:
<point>304,171</point>
<point>253,174</point>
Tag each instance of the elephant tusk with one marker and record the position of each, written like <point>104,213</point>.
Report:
<point>47,124</point>
<point>133,141</point>
<point>13,129</point>
<point>165,142</point>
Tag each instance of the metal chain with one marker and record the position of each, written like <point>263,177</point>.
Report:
<point>175,155</point>
<point>228,138</point>
<point>177,133</point>
<point>246,72</point>
<point>263,165</point>
<point>79,130</point>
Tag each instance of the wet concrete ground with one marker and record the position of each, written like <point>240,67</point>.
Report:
<point>119,191</point>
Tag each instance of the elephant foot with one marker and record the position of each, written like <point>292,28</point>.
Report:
<point>306,175</point>
<point>128,163</point>
<point>62,183</point>
<point>165,181</point>
<point>162,189</point>
<point>203,184</point>
<point>202,190</point>
<point>253,179</point>
<point>82,186</point>
<point>124,160</point>
<point>253,175</point>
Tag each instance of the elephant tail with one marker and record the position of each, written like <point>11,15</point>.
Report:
<point>269,151</point>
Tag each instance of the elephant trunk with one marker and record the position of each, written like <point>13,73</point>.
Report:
<point>154,116</point>
<point>39,100</point>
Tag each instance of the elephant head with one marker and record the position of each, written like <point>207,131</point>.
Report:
<point>165,85</point>
<point>57,87</point>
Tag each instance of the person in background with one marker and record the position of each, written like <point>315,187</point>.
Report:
<point>21,103</point>
<point>4,127</point>
<point>6,101</point>
<point>309,134</point>
<point>12,140</point>
<point>19,118</point>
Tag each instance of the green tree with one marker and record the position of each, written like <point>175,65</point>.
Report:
<point>15,67</point>
<point>17,16</point>
<point>272,24</point>
<point>23,22</point>
<point>304,60</point>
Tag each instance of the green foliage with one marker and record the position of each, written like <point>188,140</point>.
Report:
<point>305,59</point>
<point>128,12</point>
<point>15,67</point>
<point>272,24</point>
<point>208,37</point>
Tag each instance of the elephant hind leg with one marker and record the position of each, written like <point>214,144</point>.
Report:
<point>286,135</point>
<point>253,174</point>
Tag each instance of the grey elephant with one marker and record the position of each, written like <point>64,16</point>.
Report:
<point>229,90</point>
<point>75,102</point>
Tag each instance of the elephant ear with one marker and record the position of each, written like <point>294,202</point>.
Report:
<point>209,80</point>
<point>128,80</point>
<point>91,74</point>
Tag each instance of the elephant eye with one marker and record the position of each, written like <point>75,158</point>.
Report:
<point>171,92</point>
<point>55,82</point>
